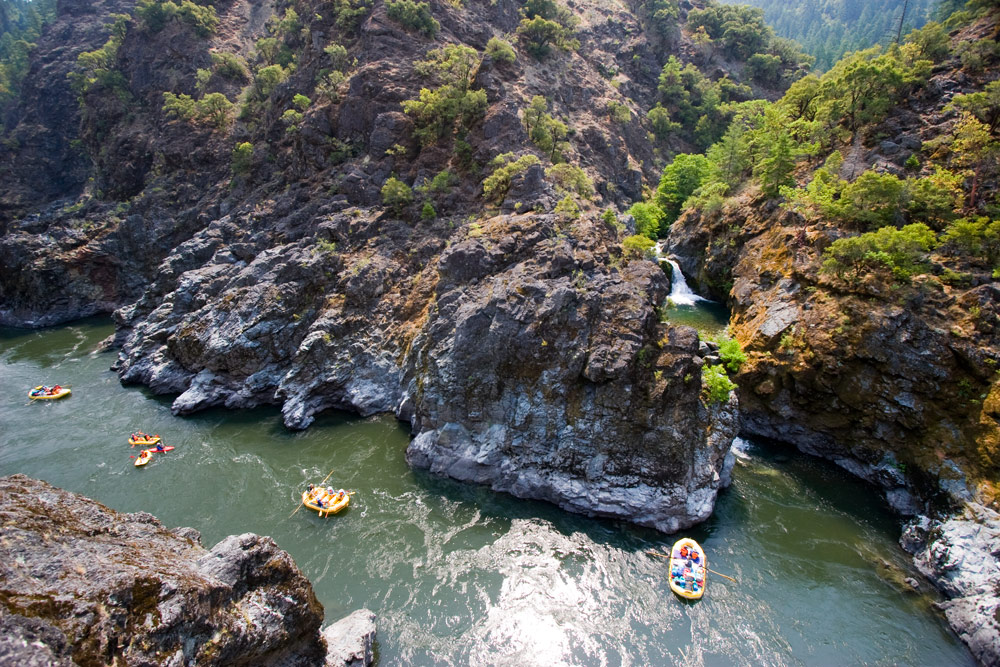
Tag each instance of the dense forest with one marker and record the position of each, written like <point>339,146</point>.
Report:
<point>827,29</point>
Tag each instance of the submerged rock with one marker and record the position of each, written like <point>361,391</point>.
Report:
<point>84,584</point>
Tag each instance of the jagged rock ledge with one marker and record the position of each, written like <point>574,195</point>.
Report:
<point>83,584</point>
<point>961,556</point>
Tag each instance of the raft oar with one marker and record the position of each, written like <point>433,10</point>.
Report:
<point>724,576</point>
<point>301,504</point>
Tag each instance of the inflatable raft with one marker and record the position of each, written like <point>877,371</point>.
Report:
<point>143,439</point>
<point>326,504</point>
<point>143,458</point>
<point>41,392</point>
<point>688,567</point>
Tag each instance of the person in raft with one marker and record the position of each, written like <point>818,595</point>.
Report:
<point>684,552</point>
<point>158,448</point>
<point>694,556</point>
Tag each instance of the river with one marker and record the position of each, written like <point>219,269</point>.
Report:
<point>459,575</point>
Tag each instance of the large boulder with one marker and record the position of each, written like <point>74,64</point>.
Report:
<point>121,588</point>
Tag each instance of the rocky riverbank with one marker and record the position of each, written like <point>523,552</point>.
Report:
<point>961,556</point>
<point>83,584</point>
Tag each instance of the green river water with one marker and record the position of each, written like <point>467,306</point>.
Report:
<point>459,575</point>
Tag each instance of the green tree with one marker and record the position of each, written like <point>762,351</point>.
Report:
<point>437,111</point>
<point>505,167</point>
<point>886,253</point>
<point>973,147</point>
<point>242,158</point>
<point>638,246</point>
<point>663,127</point>
<point>680,179</point>
<point>396,195</point>
<point>978,237</point>
<point>216,109</point>
<point>545,131</point>
<point>500,51</point>
<point>413,15</point>
<point>775,170</point>
<point>984,105</point>
<point>648,218</point>
<point>571,178</point>
<point>268,78</point>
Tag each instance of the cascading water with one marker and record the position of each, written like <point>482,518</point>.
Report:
<point>685,307</point>
<point>680,293</point>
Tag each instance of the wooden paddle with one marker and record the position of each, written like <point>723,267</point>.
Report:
<point>724,576</point>
<point>301,504</point>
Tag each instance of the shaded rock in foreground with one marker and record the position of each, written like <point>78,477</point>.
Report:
<point>121,588</point>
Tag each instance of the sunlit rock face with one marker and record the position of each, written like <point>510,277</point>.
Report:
<point>92,586</point>
<point>521,357</point>
<point>960,556</point>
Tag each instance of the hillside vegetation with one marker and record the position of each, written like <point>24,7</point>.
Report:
<point>870,189</point>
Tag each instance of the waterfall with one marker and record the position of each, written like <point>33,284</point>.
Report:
<point>680,293</point>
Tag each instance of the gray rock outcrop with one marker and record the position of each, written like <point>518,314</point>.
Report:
<point>350,641</point>
<point>961,555</point>
<point>84,584</point>
<point>521,359</point>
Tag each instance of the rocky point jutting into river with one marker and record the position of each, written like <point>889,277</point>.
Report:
<point>81,584</point>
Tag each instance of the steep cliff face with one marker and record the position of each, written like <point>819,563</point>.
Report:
<point>895,380</point>
<point>91,586</point>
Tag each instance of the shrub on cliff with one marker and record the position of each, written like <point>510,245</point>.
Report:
<point>230,66</point>
<point>436,112</point>
<point>731,353</point>
<point>638,246</point>
<point>572,179</point>
<point>214,108</point>
<point>715,383</point>
<point>505,167</point>
<point>155,14</point>
<point>888,253</point>
<point>546,132</point>
<point>977,237</point>
<point>242,158</point>
<point>413,16</point>
<point>396,195</point>
<point>500,51</point>
<point>546,24</point>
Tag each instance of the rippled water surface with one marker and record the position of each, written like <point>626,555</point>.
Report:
<point>460,575</point>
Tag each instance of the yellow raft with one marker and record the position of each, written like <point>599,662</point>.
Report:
<point>144,458</point>
<point>331,503</point>
<point>143,439</point>
<point>41,393</point>
<point>688,567</point>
